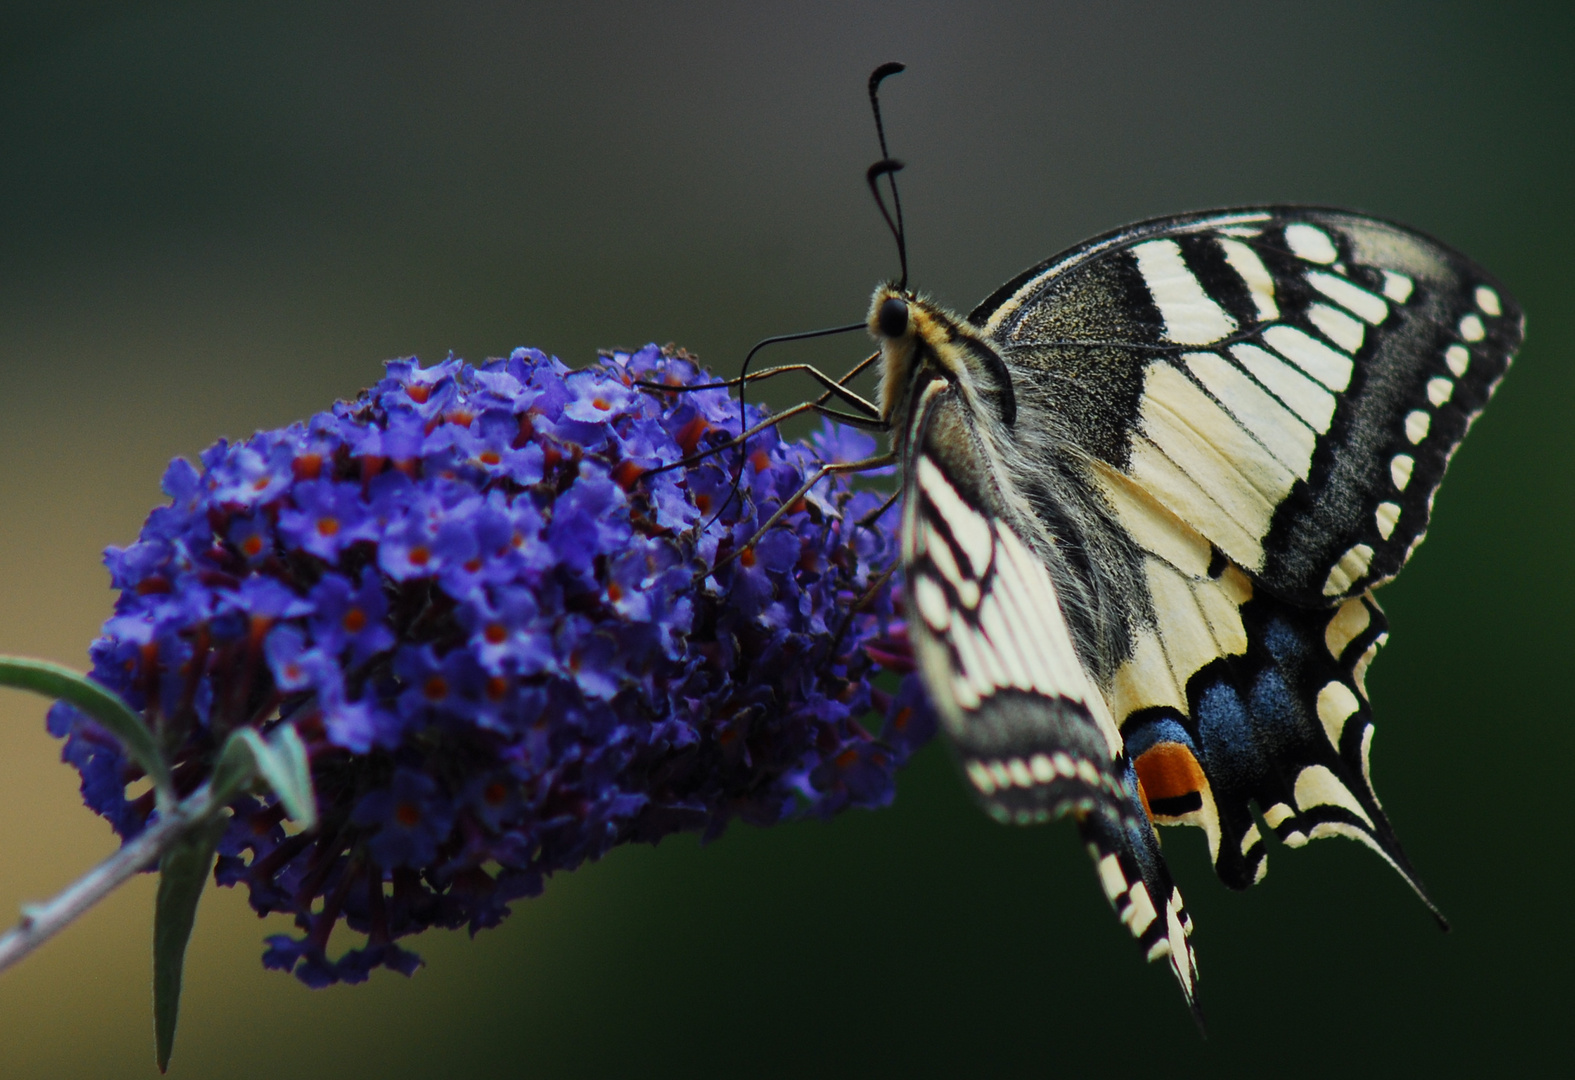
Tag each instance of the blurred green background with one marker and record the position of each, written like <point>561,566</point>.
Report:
<point>220,217</point>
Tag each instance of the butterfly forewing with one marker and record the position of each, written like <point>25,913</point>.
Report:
<point>1291,382</point>
<point>1033,733</point>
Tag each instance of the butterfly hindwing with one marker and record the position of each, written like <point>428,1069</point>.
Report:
<point>1229,695</point>
<point>1034,736</point>
<point>1291,382</point>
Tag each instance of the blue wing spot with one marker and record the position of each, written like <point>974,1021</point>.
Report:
<point>1223,728</point>
<point>1283,641</point>
<point>1276,707</point>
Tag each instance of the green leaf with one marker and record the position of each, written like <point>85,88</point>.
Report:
<point>183,874</point>
<point>99,702</point>
<point>280,760</point>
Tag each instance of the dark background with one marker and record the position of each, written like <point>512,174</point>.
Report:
<point>215,218</point>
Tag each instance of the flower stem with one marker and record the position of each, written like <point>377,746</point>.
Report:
<point>43,921</point>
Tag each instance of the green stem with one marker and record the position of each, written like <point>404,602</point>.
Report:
<point>41,922</point>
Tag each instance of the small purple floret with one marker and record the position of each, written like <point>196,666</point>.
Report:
<point>504,638</point>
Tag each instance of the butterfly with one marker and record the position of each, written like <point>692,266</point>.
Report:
<point>1148,489</point>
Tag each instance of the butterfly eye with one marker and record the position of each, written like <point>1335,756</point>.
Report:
<point>893,318</point>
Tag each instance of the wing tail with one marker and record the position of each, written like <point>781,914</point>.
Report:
<point>1138,885</point>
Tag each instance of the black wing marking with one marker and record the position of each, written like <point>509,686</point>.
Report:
<point>1291,382</point>
<point>1034,736</point>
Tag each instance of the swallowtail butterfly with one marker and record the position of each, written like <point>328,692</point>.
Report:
<point>1148,489</point>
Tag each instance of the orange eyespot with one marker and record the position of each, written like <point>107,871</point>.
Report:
<point>1171,780</point>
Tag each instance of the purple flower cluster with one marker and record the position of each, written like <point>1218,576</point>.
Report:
<point>489,600</point>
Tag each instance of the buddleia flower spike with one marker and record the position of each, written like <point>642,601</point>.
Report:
<point>490,613</point>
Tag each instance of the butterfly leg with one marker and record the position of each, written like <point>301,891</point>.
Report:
<point>877,462</point>
<point>737,441</point>
<point>833,387</point>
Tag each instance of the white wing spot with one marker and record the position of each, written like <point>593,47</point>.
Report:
<point>971,673</point>
<point>1350,569</point>
<point>1400,470</point>
<point>1042,768</point>
<point>1346,626</point>
<point>1337,326</point>
<point>1260,283</point>
<point>1387,515</point>
<point>966,524</point>
<point>1140,913</point>
<point>1211,447</point>
<point>1336,703</point>
<point>1290,441</point>
<point>981,778</point>
<point>1182,961</point>
<point>1019,772</point>
<point>940,553</point>
<point>1367,749</point>
<point>1250,838</point>
<point>1277,813</point>
<point>1051,657</point>
<point>1487,300</point>
<point>931,601</point>
<point>1471,328</point>
<point>1331,368</point>
<point>1359,669</point>
<point>967,698</point>
<point>1004,642</point>
<point>1354,298</point>
<point>1191,316</point>
<point>1307,399</point>
<point>1417,421</point>
<point>1439,390</point>
<point>968,594</point>
<point>1317,786</point>
<point>1458,358</point>
<point>1311,243</point>
<point>1087,773</point>
<point>1397,286</point>
<point>1111,878</point>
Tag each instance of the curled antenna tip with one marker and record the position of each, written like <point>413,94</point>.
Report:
<point>891,67</point>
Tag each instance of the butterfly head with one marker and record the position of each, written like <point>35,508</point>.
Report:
<point>919,339</point>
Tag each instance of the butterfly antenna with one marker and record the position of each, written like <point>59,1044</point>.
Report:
<point>888,167</point>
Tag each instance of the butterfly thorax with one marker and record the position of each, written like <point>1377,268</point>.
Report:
<point>993,440</point>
